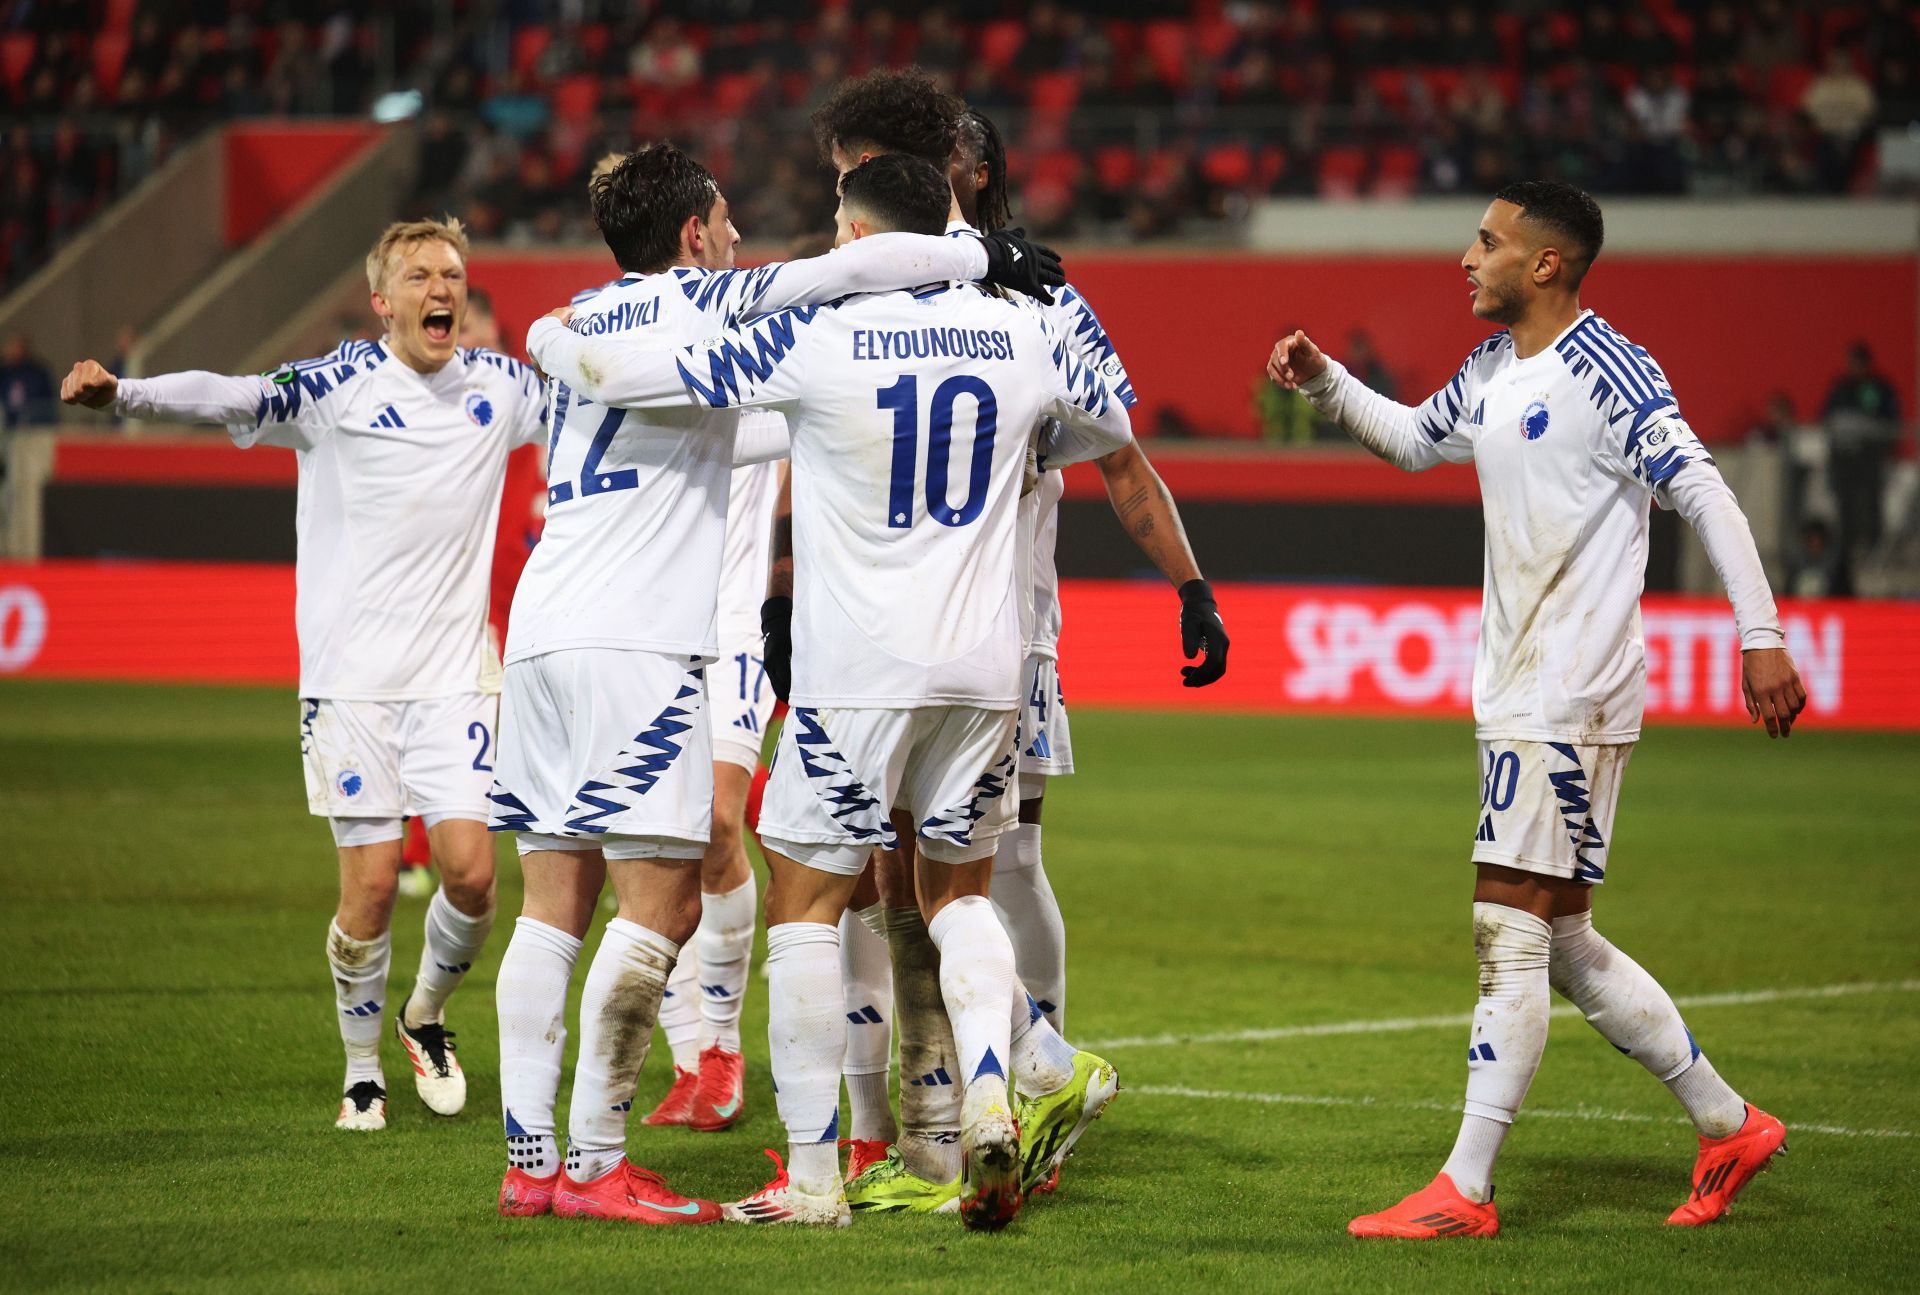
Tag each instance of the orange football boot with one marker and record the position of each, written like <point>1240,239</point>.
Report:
<point>721,1091</point>
<point>1726,1165</point>
<point>522,1196</point>
<point>677,1106</point>
<point>1436,1210</point>
<point>863,1154</point>
<point>632,1194</point>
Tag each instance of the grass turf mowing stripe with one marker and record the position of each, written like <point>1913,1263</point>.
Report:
<point>1394,1025</point>
<point>1615,1117</point>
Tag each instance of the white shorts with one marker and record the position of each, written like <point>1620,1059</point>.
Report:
<point>599,743</point>
<point>1046,741</point>
<point>836,774</point>
<point>740,705</point>
<point>1547,807</point>
<point>384,759</point>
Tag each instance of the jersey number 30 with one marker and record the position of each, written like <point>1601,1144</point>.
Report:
<point>903,398</point>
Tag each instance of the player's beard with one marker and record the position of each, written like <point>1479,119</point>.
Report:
<point>1497,305</point>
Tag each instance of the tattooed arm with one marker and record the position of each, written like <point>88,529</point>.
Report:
<point>1143,505</point>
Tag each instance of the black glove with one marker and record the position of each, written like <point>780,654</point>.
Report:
<point>1201,627</point>
<point>1022,266</point>
<point>776,632</point>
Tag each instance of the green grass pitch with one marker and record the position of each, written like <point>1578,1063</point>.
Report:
<point>170,1067</point>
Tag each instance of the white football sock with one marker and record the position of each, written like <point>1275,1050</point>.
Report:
<point>807,1036</point>
<point>867,973</point>
<point>454,940</point>
<point>929,1083</point>
<point>1635,1015</point>
<point>1042,1060</point>
<point>359,993</point>
<point>680,1011</point>
<point>1023,897</point>
<point>1509,1035</point>
<point>725,944</point>
<point>618,1009</point>
<point>531,997</point>
<point>976,980</point>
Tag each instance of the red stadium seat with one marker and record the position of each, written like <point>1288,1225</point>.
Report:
<point>1788,85</point>
<point>1341,170</point>
<point>109,50</point>
<point>1054,93</point>
<point>1228,165</point>
<point>1214,37</point>
<point>1116,168</point>
<point>529,43</point>
<point>1442,82</point>
<point>16,53</point>
<point>593,41</point>
<point>1000,42</point>
<point>576,98</point>
<point>1398,172</point>
<point>733,92</point>
<point>1058,169</point>
<point>1166,44</point>
<point>1390,83</point>
<point>119,16</point>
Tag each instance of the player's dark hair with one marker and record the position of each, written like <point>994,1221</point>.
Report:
<point>479,299</point>
<point>897,192</point>
<point>641,203</point>
<point>891,111</point>
<point>1567,212</point>
<point>980,142</point>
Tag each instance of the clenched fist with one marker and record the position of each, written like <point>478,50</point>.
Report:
<point>89,384</point>
<point>1295,360</point>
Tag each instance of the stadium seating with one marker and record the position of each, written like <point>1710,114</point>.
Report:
<point>1358,100</point>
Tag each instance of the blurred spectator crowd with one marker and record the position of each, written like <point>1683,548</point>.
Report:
<point>1130,118</point>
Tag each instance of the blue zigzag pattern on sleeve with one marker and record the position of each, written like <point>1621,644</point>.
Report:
<point>1441,410</point>
<point>290,386</point>
<point>1629,388</point>
<point>758,352</point>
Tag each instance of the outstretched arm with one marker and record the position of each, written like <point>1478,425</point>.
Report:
<point>192,397</point>
<point>1389,429</point>
<point>1770,684</point>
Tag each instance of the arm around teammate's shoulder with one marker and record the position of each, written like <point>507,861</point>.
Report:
<point>737,368</point>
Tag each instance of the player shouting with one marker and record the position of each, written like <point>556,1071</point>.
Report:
<point>606,767</point>
<point>907,669</point>
<point>402,447</point>
<point>1572,430</point>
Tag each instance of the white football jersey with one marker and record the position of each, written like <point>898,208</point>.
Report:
<point>911,414</point>
<point>1571,446</point>
<point>637,502</point>
<point>1073,320</point>
<point>399,495</point>
<point>753,492</point>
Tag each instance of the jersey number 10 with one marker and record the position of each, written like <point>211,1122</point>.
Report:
<point>903,398</point>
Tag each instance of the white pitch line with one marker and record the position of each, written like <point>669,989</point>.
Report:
<point>1614,1117</point>
<point>1394,1025</point>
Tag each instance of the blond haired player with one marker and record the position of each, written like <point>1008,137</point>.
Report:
<point>402,447</point>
